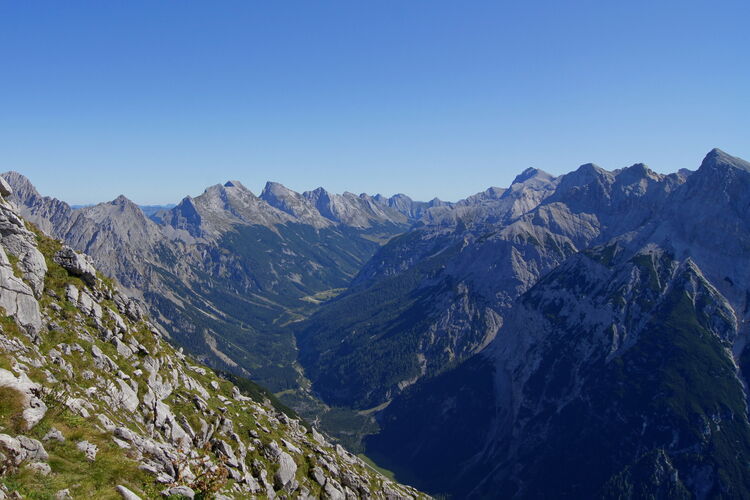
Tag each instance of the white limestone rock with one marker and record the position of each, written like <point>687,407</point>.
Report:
<point>89,450</point>
<point>34,407</point>
<point>77,264</point>
<point>126,494</point>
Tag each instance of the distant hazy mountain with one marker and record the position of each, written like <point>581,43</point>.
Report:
<point>151,210</point>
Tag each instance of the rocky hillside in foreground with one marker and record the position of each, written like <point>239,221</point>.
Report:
<point>226,272</point>
<point>95,404</point>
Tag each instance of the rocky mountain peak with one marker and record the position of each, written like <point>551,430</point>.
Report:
<point>119,211</point>
<point>317,196</point>
<point>637,170</point>
<point>526,174</point>
<point>532,173</point>
<point>589,171</point>
<point>488,195</point>
<point>123,201</point>
<point>587,178</point>
<point>281,197</point>
<point>20,183</point>
<point>319,191</point>
<point>184,216</point>
<point>638,173</point>
<point>716,158</point>
<point>274,190</point>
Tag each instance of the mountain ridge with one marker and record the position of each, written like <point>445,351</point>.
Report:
<point>472,319</point>
<point>635,344</point>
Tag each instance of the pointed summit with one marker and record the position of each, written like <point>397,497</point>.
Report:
<point>589,169</point>
<point>583,175</point>
<point>279,196</point>
<point>121,200</point>
<point>235,184</point>
<point>527,174</point>
<point>276,189</point>
<point>636,173</point>
<point>22,187</point>
<point>718,158</point>
<point>532,174</point>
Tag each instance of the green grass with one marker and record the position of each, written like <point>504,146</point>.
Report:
<point>14,265</point>
<point>323,296</point>
<point>71,470</point>
<point>11,410</point>
<point>385,472</point>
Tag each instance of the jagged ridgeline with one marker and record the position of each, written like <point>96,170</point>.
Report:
<point>94,403</point>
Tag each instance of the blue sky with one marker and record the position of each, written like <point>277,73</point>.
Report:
<point>160,99</point>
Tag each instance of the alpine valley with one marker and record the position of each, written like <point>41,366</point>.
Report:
<point>579,336</point>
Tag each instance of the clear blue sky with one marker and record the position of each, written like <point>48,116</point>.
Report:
<point>160,99</point>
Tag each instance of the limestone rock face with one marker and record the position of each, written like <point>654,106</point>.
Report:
<point>126,494</point>
<point>18,294</point>
<point>17,298</point>
<point>5,189</point>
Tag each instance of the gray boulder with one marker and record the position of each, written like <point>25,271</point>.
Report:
<point>126,494</point>
<point>182,491</point>
<point>333,491</point>
<point>34,408</point>
<point>12,449</point>
<point>89,449</point>
<point>17,240</point>
<point>54,435</point>
<point>317,474</point>
<point>76,264</point>
<point>17,298</point>
<point>5,189</point>
<point>34,449</point>
<point>284,477</point>
<point>42,468</point>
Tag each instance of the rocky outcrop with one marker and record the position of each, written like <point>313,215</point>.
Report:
<point>18,241</point>
<point>77,264</point>
<point>18,293</point>
<point>34,407</point>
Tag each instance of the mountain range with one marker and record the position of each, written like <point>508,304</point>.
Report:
<point>573,336</point>
<point>226,271</point>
